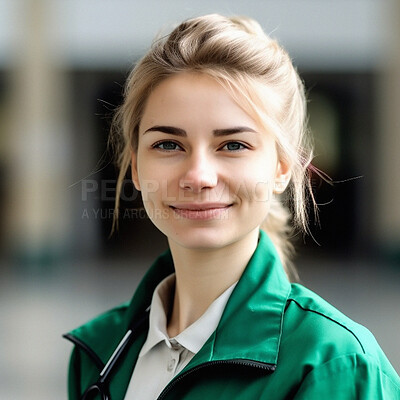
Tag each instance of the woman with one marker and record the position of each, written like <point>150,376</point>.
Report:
<point>213,128</point>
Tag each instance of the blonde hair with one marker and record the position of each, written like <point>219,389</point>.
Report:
<point>259,73</point>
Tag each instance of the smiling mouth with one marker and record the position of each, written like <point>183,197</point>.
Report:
<point>201,211</point>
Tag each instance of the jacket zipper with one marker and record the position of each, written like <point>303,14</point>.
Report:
<point>254,364</point>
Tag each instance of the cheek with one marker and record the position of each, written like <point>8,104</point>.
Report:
<point>149,184</point>
<point>257,184</point>
<point>156,186</point>
<point>149,188</point>
<point>263,191</point>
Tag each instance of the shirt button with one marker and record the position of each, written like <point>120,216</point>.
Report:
<point>171,365</point>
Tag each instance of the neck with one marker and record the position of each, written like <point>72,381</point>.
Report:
<point>203,275</point>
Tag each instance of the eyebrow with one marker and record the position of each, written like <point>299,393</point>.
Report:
<point>232,131</point>
<point>172,130</point>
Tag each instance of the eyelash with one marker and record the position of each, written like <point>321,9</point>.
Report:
<point>158,145</point>
<point>163,142</point>
<point>242,146</point>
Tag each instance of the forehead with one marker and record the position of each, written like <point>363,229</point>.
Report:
<point>194,98</point>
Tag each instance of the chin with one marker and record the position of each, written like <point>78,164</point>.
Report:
<point>203,239</point>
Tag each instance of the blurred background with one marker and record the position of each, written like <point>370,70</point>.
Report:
<point>62,68</point>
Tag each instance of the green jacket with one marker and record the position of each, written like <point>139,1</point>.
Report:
<point>275,340</point>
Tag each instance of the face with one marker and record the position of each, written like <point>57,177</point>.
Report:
<point>206,170</point>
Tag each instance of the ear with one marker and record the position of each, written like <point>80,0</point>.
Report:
<point>135,177</point>
<point>282,177</point>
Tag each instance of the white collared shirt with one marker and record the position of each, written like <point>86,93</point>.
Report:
<point>162,357</point>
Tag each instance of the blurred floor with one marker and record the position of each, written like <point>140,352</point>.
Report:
<point>36,311</point>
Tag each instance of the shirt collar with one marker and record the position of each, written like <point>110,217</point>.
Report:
<point>194,336</point>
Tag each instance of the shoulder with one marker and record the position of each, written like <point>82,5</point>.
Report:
<point>309,310</point>
<point>329,341</point>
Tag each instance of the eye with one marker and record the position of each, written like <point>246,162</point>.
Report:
<point>166,145</point>
<point>234,146</point>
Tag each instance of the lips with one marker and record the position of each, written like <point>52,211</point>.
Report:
<point>199,206</point>
<point>201,211</point>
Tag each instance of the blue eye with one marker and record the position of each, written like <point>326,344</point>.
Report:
<point>234,146</point>
<point>167,146</point>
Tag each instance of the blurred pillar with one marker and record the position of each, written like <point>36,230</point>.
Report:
<point>388,139</point>
<point>38,209</point>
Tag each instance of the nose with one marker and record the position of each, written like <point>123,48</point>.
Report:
<point>199,174</point>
